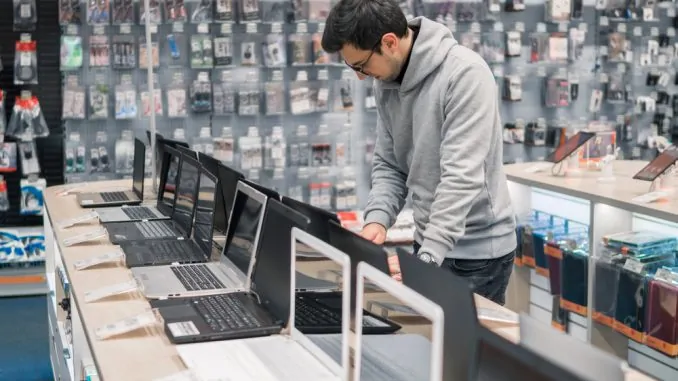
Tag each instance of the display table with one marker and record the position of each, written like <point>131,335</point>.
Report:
<point>137,356</point>
<point>606,207</point>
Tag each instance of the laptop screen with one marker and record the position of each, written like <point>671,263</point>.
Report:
<point>139,168</point>
<point>204,212</point>
<point>220,217</point>
<point>169,189</point>
<point>247,215</point>
<point>187,188</point>
<point>320,218</point>
<point>228,182</point>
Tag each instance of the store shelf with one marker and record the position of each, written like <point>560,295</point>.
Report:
<point>23,281</point>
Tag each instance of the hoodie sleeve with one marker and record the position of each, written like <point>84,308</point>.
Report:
<point>470,107</point>
<point>389,189</point>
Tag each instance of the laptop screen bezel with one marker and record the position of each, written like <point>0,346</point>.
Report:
<point>315,214</point>
<point>259,197</point>
<point>211,164</point>
<point>197,165</point>
<point>168,152</point>
<point>139,173</point>
<point>207,246</point>
<point>187,151</point>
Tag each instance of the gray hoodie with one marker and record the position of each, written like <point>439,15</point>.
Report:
<point>439,136</point>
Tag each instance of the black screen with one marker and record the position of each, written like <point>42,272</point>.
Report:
<point>320,218</point>
<point>359,250</point>
<point>247,213</point>
<point>187,190</point>
<point>501,360</point>
<point>220,215</point>
<point>187,151</point>
<point>204,212</point>
<point>659,165</point>
<point>169,188</point>
<point>228,182</point>
<point>572,144</point>
<point>139,168</point>
<point>271,278</point>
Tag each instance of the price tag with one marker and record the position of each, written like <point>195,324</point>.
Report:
<point>634,266</point>
<point>143,320</point>
<point>72,29</point>
<point>89,236</point>
<point>203,28</point>
<point>604,21</point>
<point>323,75</point>
<point>321,27</point>
<point>108,291</point>
<point>154,28</point>
<point>498,27</point>
<point>178,27</point>
<point>621,67</point>
<point>475,27</point>
<point>276,27</point>
<point>520,27</point>
<point>302,27</point>
<point>226,29</point>
<point>654,31</point>
<point>77,220</point>
<point>664,274</point>
<point>111,257</point>
<point>541,71</point>
<point>498,71</point>
<point>562,27</point>
<point>637,31</point>
<point>203,77</point>
<point>671,32</point>
<point>670,11</point>
<point>251,28</point>
<point>99,29</point>
<point>125,29</point>
<point>583,27</point>
<point>302,76</point>
<point>621,28</point>
<point>541,27</point>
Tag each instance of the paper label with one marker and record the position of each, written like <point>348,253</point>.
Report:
<point>89,236</point>
<point>143,320</point>
<point>105,292</point>
<point>183,329</point>
<point>251,28</point>
<point>633,266</point>
<point>111,257</point>
<point>77,220</point>
<point>203,28</point>
<point>664,275</point>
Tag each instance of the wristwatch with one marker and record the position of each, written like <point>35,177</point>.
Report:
<point>426,258</point>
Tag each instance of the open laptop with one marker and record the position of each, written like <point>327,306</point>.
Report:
<point>233,271</point>
<point>198,249</point>
<point>133,197</point>
<point>165,203</point>
<point>586,361</point>
<point>160,143</point>
<point>270,282</point>
<point>228,179</point>
<point>187,151</point>
<point>498,359</point>
<point>287,356</point>
<point>182,218</point>
<point>320,218</point>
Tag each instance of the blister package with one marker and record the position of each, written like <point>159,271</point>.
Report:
<point>25,15</point>
<point>98,101</point>
<point>99,51</point>
<point>71,52</point>
<point>70,12</point>
<point>98,12</point>
<point>201,11</point>
<point>74,100</point>
<point>273,49</point>
<point>122,12</point>
<point>202,52</point>
<point>154,12</point>
<point>27,121</point>
<point>124,52</point>
<point>201,93</point>
<point>26,62</point>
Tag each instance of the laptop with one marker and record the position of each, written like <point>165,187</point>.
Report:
<point>182,218</point>
<point>498,359</point>
<point>233,271</point>
<point>164,204</point>
<point>160,143</point>
<point>230,178</point>
<point>270,193</point>
<point>270,282</point>
<point>187,151</point>
<point>198,249</point>
<point>119,198</point>
<point>289,355</point>
<point>320,218</point>
<point>586,361</point>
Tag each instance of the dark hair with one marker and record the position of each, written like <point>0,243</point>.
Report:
<point>362,23</point>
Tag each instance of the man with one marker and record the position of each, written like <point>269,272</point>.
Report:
<point>438,137</point>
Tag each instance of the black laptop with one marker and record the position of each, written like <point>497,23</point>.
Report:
<point>320,218</point>
<point>198,249</point>
<point>261,312</point>
<point>182,218</point>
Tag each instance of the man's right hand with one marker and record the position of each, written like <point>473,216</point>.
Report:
<point>374,232</point>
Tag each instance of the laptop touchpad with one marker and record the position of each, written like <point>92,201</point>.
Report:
<point>178,312</point>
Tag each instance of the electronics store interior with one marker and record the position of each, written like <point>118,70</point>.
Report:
<point>194,190</point>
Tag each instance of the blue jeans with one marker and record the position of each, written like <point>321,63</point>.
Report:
<point>488,277</point>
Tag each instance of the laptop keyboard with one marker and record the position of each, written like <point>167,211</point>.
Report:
<point>173,251</point>
<point>310,313</point>
<point>114,196</point>
<point>155,229</point>
<point>226,312</point>
<point>139,213</point>
<point>197,277</point>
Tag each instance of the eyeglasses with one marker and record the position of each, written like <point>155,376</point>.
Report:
<point>359,68</point>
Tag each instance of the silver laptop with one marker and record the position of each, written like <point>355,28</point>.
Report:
<point>583,360</point>
<point>165,203</point>
<point>119,198</point>
<point>233,271</point>
<point>288,356</point>
<point>398,356</point>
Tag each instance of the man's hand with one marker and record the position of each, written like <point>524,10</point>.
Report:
<point>374,232</point>
<point>394,268</point>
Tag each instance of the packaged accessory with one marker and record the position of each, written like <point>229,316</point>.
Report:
<point>26,62</point>
<point>27,121</point>
<point>300,49</point>
<point>99,51</point>
<point>70,12</point>
<point>275,94</point>
<point>320,92</point>
<point>8,157</point>
<point>28,155</point>
<point>557,92</point>
<point>4,197</point>
<point>98,101</point>
<point>558,10</point>
<point>223,51</point>
<point>147,106</point>
<point>618,48</point>
<point>126,100</point>
<point>123,11</point>
<point>514,43</point>
<point>154,12</point>
<point>3,121</point>
<point>73,100</point>
<point>175,10</point>
<point>202,12</point>
<point>98,12</point>
<point>539,46</point>
<point>201,93</point>
<point>143,54</point>
<point>492,48</point>
<point>224,94</point>
<point>513,88</point>
<point>274,51</point>
<point>201,51</point>
<point>576,45</point>
<point>124,52</point>
<point>224,146</point>
<point>514,5</point>
<point>248,54</point>
<point>32,200</point>
<point>300,95</point>
<point>173,46</point>
<point>176,97</point>
<point>71,52</point>
<point>320,56</point>
<point>250,10</point>
<point>25,15</point>
<point>224,11</point>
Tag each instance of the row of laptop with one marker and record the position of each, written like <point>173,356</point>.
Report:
<point>290,325</point>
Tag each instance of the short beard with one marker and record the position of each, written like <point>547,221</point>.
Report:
<point>396,68</point>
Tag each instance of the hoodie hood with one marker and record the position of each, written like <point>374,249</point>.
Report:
<point>429,51</point>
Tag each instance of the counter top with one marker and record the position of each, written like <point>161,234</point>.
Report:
<point>586,185</point>
<point>145,355</point>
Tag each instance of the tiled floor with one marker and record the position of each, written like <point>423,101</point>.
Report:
<point>24,346</point>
